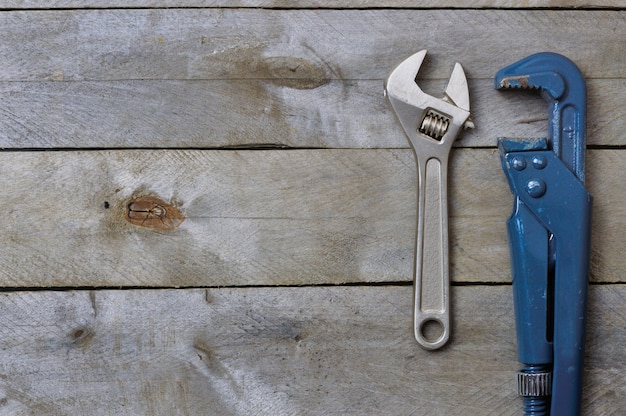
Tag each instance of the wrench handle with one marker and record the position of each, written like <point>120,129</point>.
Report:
<point>432,282</point>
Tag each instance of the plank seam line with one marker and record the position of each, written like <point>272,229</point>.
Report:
<point>254,147</point>
<point>6,290</point>
<point>244,79</point>
<point>312,8</point>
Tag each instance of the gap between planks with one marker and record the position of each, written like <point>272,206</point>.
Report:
<point>286,286</point>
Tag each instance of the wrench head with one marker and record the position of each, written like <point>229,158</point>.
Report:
<point>422,116</point>
<point>545,71</point>
<point>562,85</point>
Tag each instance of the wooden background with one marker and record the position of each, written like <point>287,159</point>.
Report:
<point>287,290</point>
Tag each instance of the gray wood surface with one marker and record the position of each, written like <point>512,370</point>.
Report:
<point>298,78</point>
<point>254,138</point>
<point>278,351</point>
<point>249,113</point>
<point>264,217</point>
<point>302,48</point>
<point>295,4</point>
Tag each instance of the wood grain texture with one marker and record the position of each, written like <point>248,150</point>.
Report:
<point>279,351</point>
<point>295,4</point>
<point>252,217</point>
<point>106,103</point>
<point>264,217</point>
<point>222,113</point>
<point>305,47</point>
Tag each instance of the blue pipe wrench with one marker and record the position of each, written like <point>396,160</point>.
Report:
<point>549,236</point>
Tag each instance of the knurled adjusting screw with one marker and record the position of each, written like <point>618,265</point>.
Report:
<point>534,384</point>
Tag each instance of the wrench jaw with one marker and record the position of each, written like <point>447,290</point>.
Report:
<point>408,102</point>
<point>562,86</point>
<point>457,92</point>
<point>544,71</point>
<point>425,118</point>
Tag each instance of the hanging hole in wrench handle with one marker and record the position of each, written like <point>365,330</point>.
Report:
<point>432,316</point>
<point>432,330</point>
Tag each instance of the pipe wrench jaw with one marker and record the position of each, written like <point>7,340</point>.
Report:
<point>549,236</point>
<point>562,85</point>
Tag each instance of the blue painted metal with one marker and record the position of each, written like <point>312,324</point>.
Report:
<point>549,231</point>
<point>562,85</point>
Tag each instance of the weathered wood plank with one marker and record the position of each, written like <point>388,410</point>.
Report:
<point>279,351</point>
<point>294,4</point>
<point>298,46</point>
<point>203,114</point>
<point>263,217</point>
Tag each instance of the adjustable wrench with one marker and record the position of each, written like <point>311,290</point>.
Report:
<point>431,125</point>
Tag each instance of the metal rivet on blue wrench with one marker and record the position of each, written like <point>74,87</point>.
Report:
<point>549,236</point>
<point>431,125</point>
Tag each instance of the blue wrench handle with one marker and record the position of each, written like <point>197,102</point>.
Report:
<point>531,296</point>
<point>550,196</point>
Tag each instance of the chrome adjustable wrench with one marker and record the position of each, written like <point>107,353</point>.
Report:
<point>431,125</point>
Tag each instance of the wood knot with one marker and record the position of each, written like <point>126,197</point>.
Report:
<point>82,337</point>
<point>151,212</point>
<point>294,72</point>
